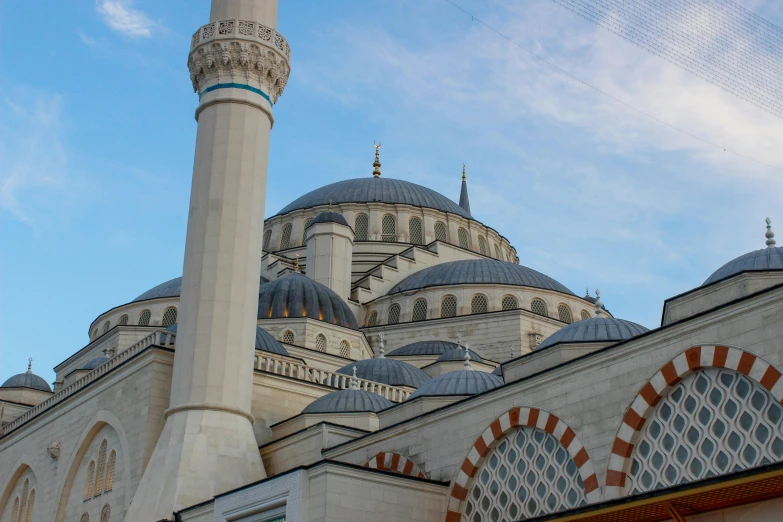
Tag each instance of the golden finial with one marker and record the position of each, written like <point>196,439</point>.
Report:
<point>376,173</point>
<point>296,264</point>
<point>463,173</point>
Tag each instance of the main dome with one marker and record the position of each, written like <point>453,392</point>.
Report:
<point>171,288</point>
<point>376,190</point>
<point>478,271</point>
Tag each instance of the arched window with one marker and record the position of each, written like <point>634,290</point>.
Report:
<point>388,228</point>
<point>110,471</point>
<point>538,306</point>
<point>394,314</point>
<point>419,310</point>
<point>479,305</point>
<point>288,337</point>
<point>529,473</point>
<point>169,316</point>
<point>85,518</point>
<point>360,228</point>
<point>441,233</point>
<point>564,313</point>
<point>414,228</point>
<point>267,239</point>
<point>123,320</point>
<point>95,333</point>
<point>713,422</point>
<point>100,473</point>
<point>307,223</point>
<point>462,235</point>
<point>509,256</point>
<point>345,349</point>
<point>144,318</point>
<point>15,512</point>
<point>509,302</point>
<point>30,505</point>
<point>482,246</point>
<point>285,237</point>
<point>372,320</point>
<point>105,513</point>
<point>498,255</point>
<point>25,493</point>
<point>320,342</point>
<point>106,326</point>
<point>585,315</point>
<point>448,306</point>
<point>89,481</point>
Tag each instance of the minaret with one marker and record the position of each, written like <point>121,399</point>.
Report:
<point>239,66</point>
<point>464,202</point>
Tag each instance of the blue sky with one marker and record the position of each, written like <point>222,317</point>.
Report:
<point>97,137</point>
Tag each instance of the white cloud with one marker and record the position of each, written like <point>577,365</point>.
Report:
<point>86,39</point>
<point>121,17</point>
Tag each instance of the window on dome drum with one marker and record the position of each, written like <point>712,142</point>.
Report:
<point>482,246</point>
<point>388,228</point>
<point>372,320</point>
<point>509,256</point>
<point>394,314</point>
<point>89,482</point>
<point>713,422</point>
<point>169,316</point>
<point>85,518</point>
<point>288,337</point>
<point>304,230</point>
<point>564,313</point>
<point>101,468</point>
<point>419,310</point>
<point>462,235</point>
<point>529,473</point>
<point>320,342</point>
<point>267,239</point>
<point>144,318</point>
<point>497,253</point>
<point>345,349</point>
<point>479,305</point>
<point>95,333</point>
<point>361,226</point>
<point>285,237</point>
<point>106,326</point>
<point>448,306</point>
<point>509,302</point>
<point>414,226</point>
<point>110,471</point>
<point>123,320</point>
<point>537,306</point>
<point>585,315</point>
<point>441,233</point>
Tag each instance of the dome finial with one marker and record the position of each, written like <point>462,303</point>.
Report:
<point>381,347</point>
<point>330,204</point>
<point>30,365</point>
<point>376,173</point>
<point>587,291</point>
<point>466,364</point>
<point>464,177</point>
<point>770,235</point>
<point>599,306</point>
<point>354,380</point>
<point>296,264</point>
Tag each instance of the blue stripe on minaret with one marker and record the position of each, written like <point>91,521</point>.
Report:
<point>236,86</point>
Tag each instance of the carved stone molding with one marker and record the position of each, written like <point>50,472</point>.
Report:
<point>239,51</point>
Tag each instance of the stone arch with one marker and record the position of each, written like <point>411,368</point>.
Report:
<point>22,464</point>
<point>396,463</point>
<point>671,373</point>
<point>99,420</point>
<point>518,418</point>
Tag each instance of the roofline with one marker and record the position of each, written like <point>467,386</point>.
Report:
<point>321,423</point>
<point>465,315</point>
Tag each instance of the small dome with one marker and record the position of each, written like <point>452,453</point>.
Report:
<point>462,382</point>
<point>27,380</point>
<point>98,361</point>
<point>170,288</point>
<point>595,329</point>
<point>349,401</point>
<point>423,348</point>
<point>264,341</point>
<point>296,295</point>
<point>387,371</point>
<point>329,217</point>
<point>459,355</point>
<point>770,258</point>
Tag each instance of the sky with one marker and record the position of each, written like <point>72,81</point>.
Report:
<point>97,135</point>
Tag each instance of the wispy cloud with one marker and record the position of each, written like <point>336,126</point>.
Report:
<point>123,18</point>
<point>87,39</point>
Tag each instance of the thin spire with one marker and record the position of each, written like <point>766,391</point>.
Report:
<point>330,204</point>
<point>354,380</point>
<point>296,264</point>
<point>464,177</point>
<point>376,173</point>
<point>599,306</point>
<point>466,364</point>
<point>587,291</point>
<point>464,201</point>
<point>30,365</point>
<point>381,347</point>
<point>770,235</point>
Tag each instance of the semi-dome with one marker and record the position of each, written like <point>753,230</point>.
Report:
<point>434,347</point>
<point>478,271</point>
<point>387,371</point>
<point>27,380</point>
<point>264,341</point>
<point>170,288</point>
<point>329,217</point>
<point>376,190</point>
<point>458,354</point>
<point>595,329</point>
<point>462,382</point>
<point>349,401</point>
<point>296,295</point>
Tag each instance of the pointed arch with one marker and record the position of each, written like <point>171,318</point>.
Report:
<point>22,464</point>
<point>30,505</point>
<point>89,481</point>
<point>670,374</point>
<point>100,473</point>
<point>396,463</point>
<point>110,471</point>
<point>499,428</point>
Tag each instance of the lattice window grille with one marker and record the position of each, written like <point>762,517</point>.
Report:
<point>101,469</point>
<point>528,474</point>
<point>144,318</point>
<point>440,232</point>
<point>448,307</point>
<point>388,228</point>
<point>105,513</point>
<point>479,305</point>
<point>394,314</point>
<point>538,307</point>
<point>713,422</point>
<point>564,313</point>
<point>509,302</point>
<point>106,326</point>
<point>30,505</point>
<point>482,246</point>
<point>307,223</point>
<point>414,226</point>
<point>320,342</point>
<point>110,471</point>
<point>25,493</point>
<point>345,349</point>
<point>585,314</point>
<point>85,518</point>
<point>373,319</point>
<point>497,253</point>
<point>419,310</point>
<point>285,237</point>
<point>361,227</point>
<point>267,239</point>
<point>288,337</point>
<point>15,512</point>
<point>169,316</point>
<point>462,235</point>
<point>123,320</point>
<point>89,483</point>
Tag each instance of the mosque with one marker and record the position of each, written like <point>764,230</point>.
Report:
<point>372,351</point>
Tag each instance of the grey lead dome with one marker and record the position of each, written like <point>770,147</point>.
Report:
<point>387,371</point>
<point>435,347</point>
<point>770,258</point>
<point>462,382</point>
<point>171,288</point>
<point>27,380</point>
<point>595,329</point>
<point>329,217</point>
<point>349,401</point>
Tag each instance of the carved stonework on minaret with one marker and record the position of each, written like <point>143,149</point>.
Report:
<point>238,51</point>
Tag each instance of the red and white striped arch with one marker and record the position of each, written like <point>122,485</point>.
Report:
<point>394,462</point>
<point>692,359</point>
<point>515,418</point>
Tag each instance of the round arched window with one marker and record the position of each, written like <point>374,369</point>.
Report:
<point>564,313</point>
<point>448,306</point>
<point>479,304</point>
<point>482,246</point>
<point>361,226</point>
<point>288,337</point>
<point>123,320</point>
<point>169,316</point>
<point>537,306</point>
<point>304,230</point>
<point>462,235</point>
<point>394,314</point>
<point>498,255</point>
<point>106,326</point>
<point>372,320</point>
<point>416,236</point>
<point>509,302</point>
<point>144,318</point>
<point>267,239</point>
<point>345,349</point>
<point>285,238</point>
<point>441,233</point>
<point>419,310</point>
<point>585,314</point>
<point>388,228</point>
<point>320,342</point>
